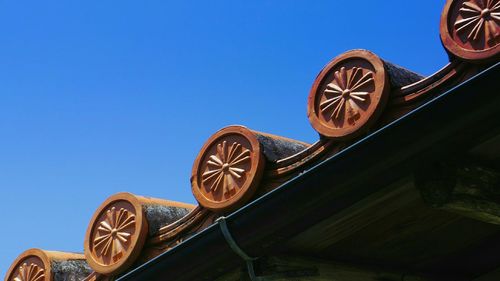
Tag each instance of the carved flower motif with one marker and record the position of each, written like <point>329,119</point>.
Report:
<point>226,164</point>
<point>114,233</point>
<point>345,93</point>
<point>30,272</point>
<point>479,17</point>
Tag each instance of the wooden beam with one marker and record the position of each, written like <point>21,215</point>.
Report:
<point>465,188</point>
<point>285,268</point>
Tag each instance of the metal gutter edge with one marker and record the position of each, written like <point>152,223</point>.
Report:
<point>469,111</point>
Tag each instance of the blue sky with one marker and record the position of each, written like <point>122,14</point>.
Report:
<point>99,97</point>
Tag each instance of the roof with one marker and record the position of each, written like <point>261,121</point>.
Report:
<point>404,177</point>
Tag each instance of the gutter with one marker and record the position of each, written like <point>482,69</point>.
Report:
<point>444,126</point>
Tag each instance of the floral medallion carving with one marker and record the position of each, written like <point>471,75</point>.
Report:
<point>31,265</point>
<point>344,96</point>
<point>116,234</point>
<point>31,272</point>
<point>479,18</point>
<point>113,233</point>
<point>470,29</point>
<point>227,169</point>
<point>348,95</point>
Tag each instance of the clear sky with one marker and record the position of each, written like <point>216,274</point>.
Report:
<point>99,97</point>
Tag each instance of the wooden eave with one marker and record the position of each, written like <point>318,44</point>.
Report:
<point>361,206</point>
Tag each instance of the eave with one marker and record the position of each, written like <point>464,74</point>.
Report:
<point>391,153</point>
